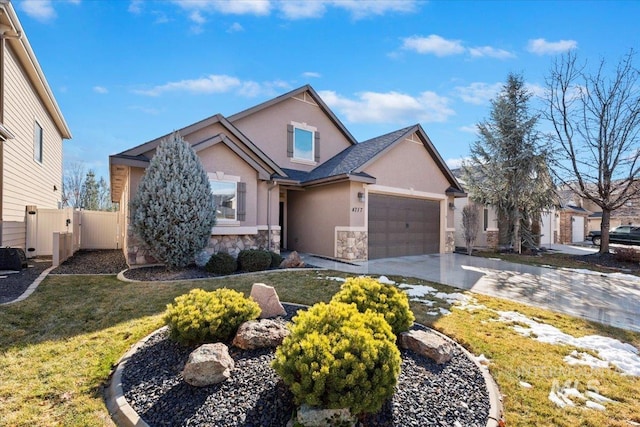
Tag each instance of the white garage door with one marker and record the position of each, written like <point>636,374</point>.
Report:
<point>577,229</point>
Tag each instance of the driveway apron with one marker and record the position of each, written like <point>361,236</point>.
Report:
<point>612,299</point>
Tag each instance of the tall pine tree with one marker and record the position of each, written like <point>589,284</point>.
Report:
<point>173,210</point>
<point>507,168</point>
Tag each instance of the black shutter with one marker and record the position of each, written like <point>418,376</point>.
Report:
<point>289,140</point>
<point>316,146</point>
<point>241,214</point>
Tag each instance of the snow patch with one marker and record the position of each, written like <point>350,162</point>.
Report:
<point>444,311</point>
<point>337,279</point>
<point>482,359</point>
<point>525,385</point>
<point>385,280</point>
<point>594,405</point>
<point>623,356</point>
<point>576,358</point>
<point>419,290</point>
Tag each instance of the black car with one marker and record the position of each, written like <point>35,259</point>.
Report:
<point>624,234</point>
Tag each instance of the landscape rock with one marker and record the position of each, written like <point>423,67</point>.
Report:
<point>314,417</point>
<point>293,260</point>
<point>428,344</point>
<point>264,333</point>
<point>208,364</point>
<point>267,299</point>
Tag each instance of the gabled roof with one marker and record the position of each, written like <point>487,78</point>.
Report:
<point>353,160</point>
<point>15,36</point>
<point>248,151</point>
<point>297,92</point>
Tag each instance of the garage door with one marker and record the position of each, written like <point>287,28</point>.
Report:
<point>400,226</point>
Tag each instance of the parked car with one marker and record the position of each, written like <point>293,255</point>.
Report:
<point>624,234</point>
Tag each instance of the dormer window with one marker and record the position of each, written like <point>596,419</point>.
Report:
<point>303,143</point>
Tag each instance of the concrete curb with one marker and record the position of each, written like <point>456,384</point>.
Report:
<point>123,415</point>
<point>32,287</point>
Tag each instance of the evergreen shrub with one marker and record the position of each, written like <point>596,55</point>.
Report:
<point>254,260</point>
<point>369,294</point>
<point>221,263</point>
<point>276,259</point>
<point>202,258</point>
<point>173,210</point>
<point>200,316</point>
<point>337,357</point>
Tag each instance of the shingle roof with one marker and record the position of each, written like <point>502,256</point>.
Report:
<point>355,156</point>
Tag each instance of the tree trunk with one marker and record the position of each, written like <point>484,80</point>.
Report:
<point>517,241</point>
<point>604,231</point>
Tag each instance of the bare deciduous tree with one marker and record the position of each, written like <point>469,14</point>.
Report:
<point>72,184</point>
<point>470,225</point>
<point>596,129</point>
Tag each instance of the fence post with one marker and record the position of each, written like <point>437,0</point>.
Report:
<point>56,249</point>
<point>32,231</point>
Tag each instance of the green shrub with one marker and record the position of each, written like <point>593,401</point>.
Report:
<point>199,316</point>
<point>369,294</point>
<point>276,259</point>
<point>254,260</point>
<point>337,357</point>
<point>221,263</point>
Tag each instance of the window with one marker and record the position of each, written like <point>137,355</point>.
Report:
<point>303,142</point>
<point>225,199</point>
<point>229,199</point>
<point>37,143</point>
<point>485,219</point>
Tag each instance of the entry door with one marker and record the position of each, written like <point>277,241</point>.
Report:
<point>401,226</point>
<point>577,229</point>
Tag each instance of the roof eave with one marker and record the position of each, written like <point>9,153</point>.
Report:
<point>339,178</point>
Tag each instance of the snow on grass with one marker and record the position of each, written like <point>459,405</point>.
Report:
<point>416,291</point>
<point>576,358</point>
<point>337,279</point>
<point>567,396</point>
<point>385,280</point>
<point>525,385</point>
<point>623,356</point>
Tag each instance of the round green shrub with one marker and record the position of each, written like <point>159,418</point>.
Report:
<point>276,259</point>
<point>200,316</point>
<point>254,260</point>
<point>369,294</point>
<point>337,357</point>
<point>221,263</point>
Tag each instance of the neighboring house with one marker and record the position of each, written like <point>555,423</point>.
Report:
<point>489,230</point>
<point>31,132</point>
<point>288,174</point>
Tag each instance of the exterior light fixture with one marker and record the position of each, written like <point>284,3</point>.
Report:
<point>361,196</point>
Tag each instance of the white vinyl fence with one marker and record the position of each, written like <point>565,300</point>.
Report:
<point>89,229</point>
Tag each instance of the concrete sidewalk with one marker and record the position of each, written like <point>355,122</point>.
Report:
<point>612,299</point>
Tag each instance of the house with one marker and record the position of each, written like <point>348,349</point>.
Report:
<point>31,132</point>
<point>288,174</point>
<point>492,233</point>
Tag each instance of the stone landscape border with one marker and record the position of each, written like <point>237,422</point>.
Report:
<point>123,415</point>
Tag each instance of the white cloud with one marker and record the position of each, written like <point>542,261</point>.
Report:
<point>491,52</point>
<point>135,6</point>
<point>543,47</point>
<point>312,74</point>
<point>213,84</point>
<point>197,17</point>
<point>302,9</point>
<point>478,93</point>
<point>235,28</point>
<point>456,163</point>
<point>100,89</point>
<point>42,10</point>
<point>205,85</point>
<point>227,7</point>
<point>469,129</point>
<point>536,89</point>
<point>433,44</point>
<point>390,107</point>
<point>361,9</point>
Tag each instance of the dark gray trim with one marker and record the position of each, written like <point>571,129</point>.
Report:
<point>241,214</point>
<point>289,140</point>
<point>316,146</point>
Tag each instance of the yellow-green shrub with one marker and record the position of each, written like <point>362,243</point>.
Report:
<point>201,316</point>
<point>337,357</point>
<point>369,294</point>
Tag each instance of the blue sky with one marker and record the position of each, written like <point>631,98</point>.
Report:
<point>125,72</point>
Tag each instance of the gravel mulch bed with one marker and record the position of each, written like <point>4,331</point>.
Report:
<point>13,284</point>
<point>427,394</point>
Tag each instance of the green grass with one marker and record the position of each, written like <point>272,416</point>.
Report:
<point>58,347</point>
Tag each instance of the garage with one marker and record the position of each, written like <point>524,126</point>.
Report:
<point>400,226</point>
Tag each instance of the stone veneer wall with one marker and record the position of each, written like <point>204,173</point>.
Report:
<point>450,242</point>
<point>352,245</point>
<point>138,253</point>
<point>493,239</point>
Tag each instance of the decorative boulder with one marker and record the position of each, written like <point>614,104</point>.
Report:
<point>260,334</point>
<point>293,260</point>
<point>314,417</point>
<point>427,344</point>
<point>267,299</point>
<point>208,364</point>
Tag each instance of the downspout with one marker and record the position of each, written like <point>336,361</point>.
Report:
<point>270,186</point>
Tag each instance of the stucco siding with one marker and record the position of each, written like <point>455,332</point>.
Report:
<point>313,216</point>
<point>408,165</point>
<point>25,180</point>
<point>268,129</point>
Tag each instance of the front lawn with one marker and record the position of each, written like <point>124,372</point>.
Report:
<point>58,347</point>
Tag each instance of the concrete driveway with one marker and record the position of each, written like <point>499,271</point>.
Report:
<point>612,299</point>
